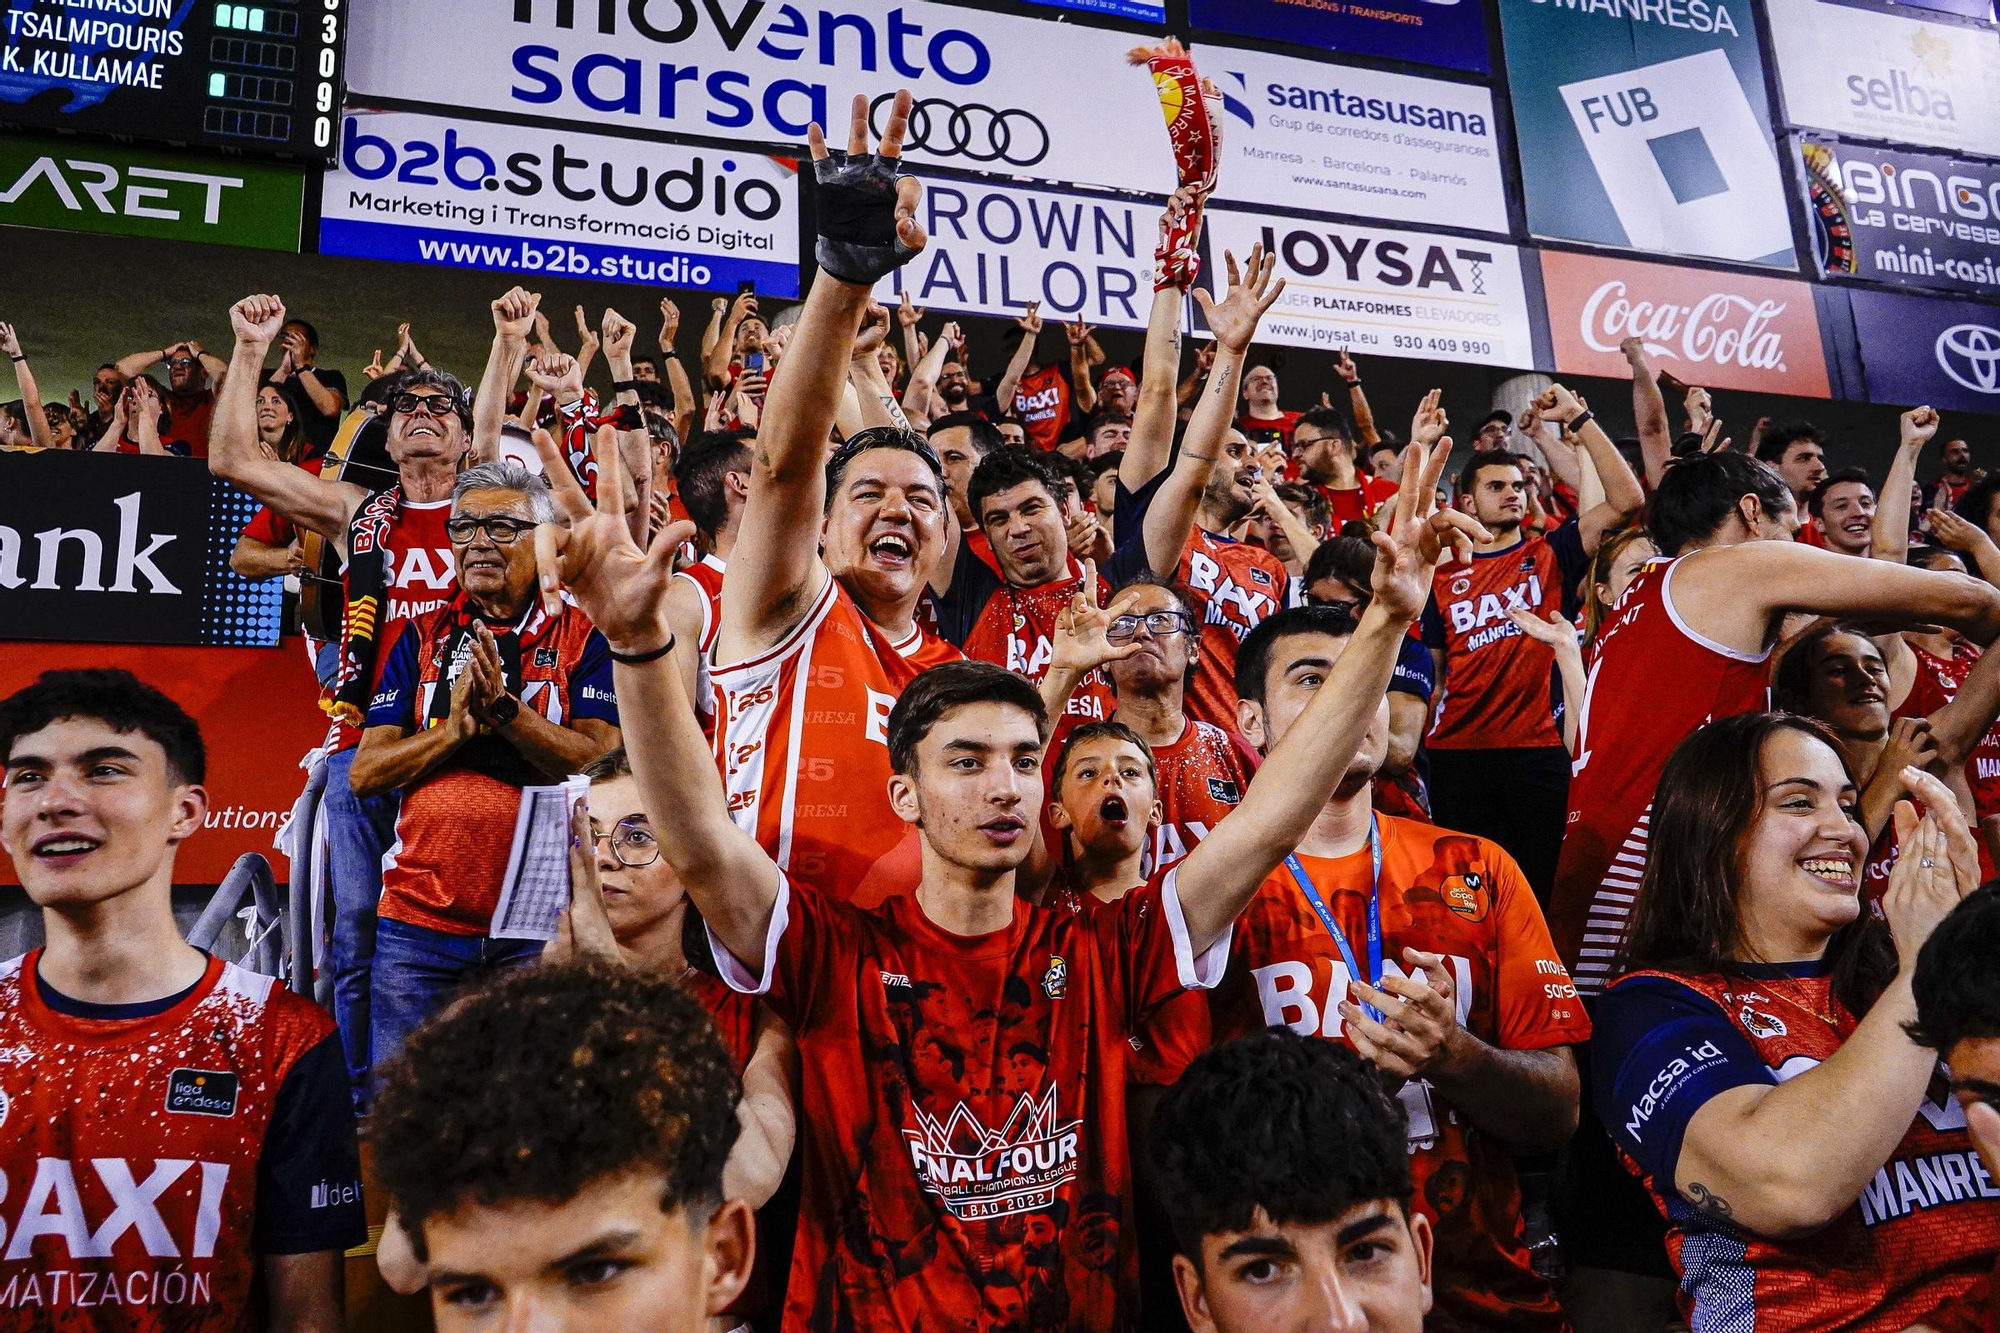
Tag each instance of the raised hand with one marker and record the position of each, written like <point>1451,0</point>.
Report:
<point>515,312</point>
<point>1346,369</point>
<point>1080,646</point>
<point>1957,532</point>
<point>1558,404</point>
<point>1709,443</point>
<point>294,343</point>
<point>1918,425</point>
<point>1420,533</point>
<point>558,375</point>
<point>954,335</point>
<point>9,343</point>
<point>591,552</point>
<point>618,335</point>
<point>1233,320</point>
<point>1428,426</point>
<point>1030,318</point>
<point>1078,333</point>
<point>1937,864</point>
<point>670,323</point>
<point>584,928</point>
<point>375,370</point>
<point>874,330</point>
<point>908,312</point>
<point>1700,409</point>
<point>1555,631</point>
<point>588,336</point>
<point>257,319</point>
<point>867,206</point>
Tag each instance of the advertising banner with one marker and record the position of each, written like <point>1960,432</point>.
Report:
<point>1142,10</point>
<point>258,712</point>
<point>1718,330</point>
<point>121,548</point>
<point>1917,350</point>
<point>993,248</point>
<point>1876,75</point>
<point>991,88</point>
<point>72,184</point>
<point>1335,139</point>
<point>1451,33</point>
<point>1644,126</point>
<point>1913,219</point>
<point>1390,293</point>
<point>470,194</point>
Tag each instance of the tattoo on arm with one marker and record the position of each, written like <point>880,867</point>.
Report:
<point>1707,1201</point>
<point>894,409</point>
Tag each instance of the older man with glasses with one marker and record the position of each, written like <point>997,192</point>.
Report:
<point>399,564</point>
<point>479,698</point>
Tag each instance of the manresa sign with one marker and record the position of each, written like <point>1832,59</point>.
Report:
<point>74,184</point>
<point>1720,330</point>
<point>1918,350</point>
<point>470,194</point>
<point>1912,219</point>
<point>989,88</point>
<point>125,549</point>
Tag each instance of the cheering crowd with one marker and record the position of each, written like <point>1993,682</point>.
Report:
<point>1107,852</point>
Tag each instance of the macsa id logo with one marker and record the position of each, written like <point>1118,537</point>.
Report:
<point>460,163</point>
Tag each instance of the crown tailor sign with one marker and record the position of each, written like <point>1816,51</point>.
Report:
<point>1876,75</point>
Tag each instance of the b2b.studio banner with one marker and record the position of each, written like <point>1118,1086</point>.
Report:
<point>121,548</point>
<point>1913,219</point>
<point>1646,127</point>
<point>1918,350</point>
<point>471,194</point>
<point>1876,75</point>
<point>1451,33</point>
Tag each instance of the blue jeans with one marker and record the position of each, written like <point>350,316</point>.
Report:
<point>419,970</point>
<point>358,833</point>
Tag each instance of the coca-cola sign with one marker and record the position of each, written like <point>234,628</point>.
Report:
<point>1721,330</point>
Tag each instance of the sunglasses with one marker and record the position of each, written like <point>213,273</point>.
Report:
<point>1123,629</point>
<point>503,531</point>
<point>435,405</point>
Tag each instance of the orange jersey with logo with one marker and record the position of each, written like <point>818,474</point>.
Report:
<point>1239,585</point>
<point>802,738</point>
<point>1462,897</point>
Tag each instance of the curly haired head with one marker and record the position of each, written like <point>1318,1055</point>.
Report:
<point>550,1078</point>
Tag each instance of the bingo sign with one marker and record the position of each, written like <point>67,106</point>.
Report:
<point>463,193</point>
<point>1912,219</point>
<point>993,248</point>
<point>1390,293</point>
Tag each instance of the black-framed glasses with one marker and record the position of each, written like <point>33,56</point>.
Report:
<point>504,531</point>
<point>437,405</point>
<point>1123,629</point>
<point>632,842</point>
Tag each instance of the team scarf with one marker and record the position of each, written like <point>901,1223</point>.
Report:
<point>1193,110</point>
<point>361,623</point>
<point>453,644</point>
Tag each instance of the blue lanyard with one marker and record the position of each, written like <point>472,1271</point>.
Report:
<point>1374,973</point>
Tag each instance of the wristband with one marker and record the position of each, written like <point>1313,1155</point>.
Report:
<point>620,386</point>
<point>640,659</point>
<point>1352,385</point>
<point>17,358</point>
<point>1579,421</point>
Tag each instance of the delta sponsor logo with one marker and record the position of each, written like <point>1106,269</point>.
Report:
<point>1970,355</point>
<point>978,1173</point>
<point>1669,1078</point>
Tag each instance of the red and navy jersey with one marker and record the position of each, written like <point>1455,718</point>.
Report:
<point>1937,683</point>
<point>962,1108</point>
<point>1920,1236</point>
<point>152,1155</point>
<point>1240,585</point>
<point>1042,402</point>
<point>1462,897</point>
<point>456,826</point>
<point>1497,680</point>
<point>1359,504</point>
<point>1653,682</point>
<point>1198,779</point>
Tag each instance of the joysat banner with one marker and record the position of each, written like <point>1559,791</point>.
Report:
<point>1918,350</point>
<point>1390,293</point>
<point>1721,330</point>
<point>991,88</point>
<point>1426,32</point>
<point>1317,135</point>
<point>1913,219</point>
<point>1644,125</point>
<point>1876,75</point>
<point>470,194</point>
<point>993,248</point>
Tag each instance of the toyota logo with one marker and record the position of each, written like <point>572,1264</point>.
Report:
<point>974,132</point>
<point>1970,354</point>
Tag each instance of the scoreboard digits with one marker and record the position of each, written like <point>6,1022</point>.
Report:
<point>263,77</point>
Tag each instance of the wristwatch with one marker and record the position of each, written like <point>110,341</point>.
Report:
<point>504,710</point>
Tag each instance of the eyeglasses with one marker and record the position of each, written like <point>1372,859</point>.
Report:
<point>437,405</point>
<point>632,842</point>
<point>1123,629</point>
<point>503,531</point>
<point>1353,608</point>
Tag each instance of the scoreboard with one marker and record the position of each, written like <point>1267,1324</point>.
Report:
<point>263,77</point>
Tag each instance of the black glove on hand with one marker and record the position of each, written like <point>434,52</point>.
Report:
<point>856,206</point>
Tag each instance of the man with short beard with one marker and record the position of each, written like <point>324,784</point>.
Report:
<point>1239,584</point>
<point>1958,474</point>
<point>1325,454</point>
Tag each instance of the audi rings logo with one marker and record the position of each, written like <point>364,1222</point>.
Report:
<point>975,132</point>
<point>1970,354</point>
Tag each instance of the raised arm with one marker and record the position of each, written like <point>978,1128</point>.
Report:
<point>1649,409</point>
<point>775,571</point>
<point>1623,496</point>
<point>766,1120</point>
<point>1560,635</point>
<point>1357,403</point>
<point>31,394</point>
<point>138,363</point>
<point>1156,413</point>
<point>1219,877</point>
<point>715,356</point>
<point>622,588</point>
<point>513,316</point>
<point>1078,334</point>
<point>319,506</point>
<point>587,345</point>
<point>1889,537</point>
<point>875,396</point>
<point>1030,322</point>
<point>1233,320</point>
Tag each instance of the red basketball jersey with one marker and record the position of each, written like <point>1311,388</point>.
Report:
<point>1239,585</point>
<point>1016,628</point>
<point>1937,684</point>
<point>802,738</point>
<point>706,575</point>
<point>1654,681</point>
<point>1199,778</point>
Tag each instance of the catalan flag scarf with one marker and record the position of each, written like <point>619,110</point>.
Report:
<point>1193,109</point>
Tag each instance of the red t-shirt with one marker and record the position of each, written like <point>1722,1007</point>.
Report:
<point>1266,430</point>
<point>1359,504</point>
<point>1463,897</point>
<point>1016,628</point>
<point>1497,688</point>
<point>962,1109</point>
<point>190,413</point>
<point>1042,401</point>
<point>1240,585</point>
